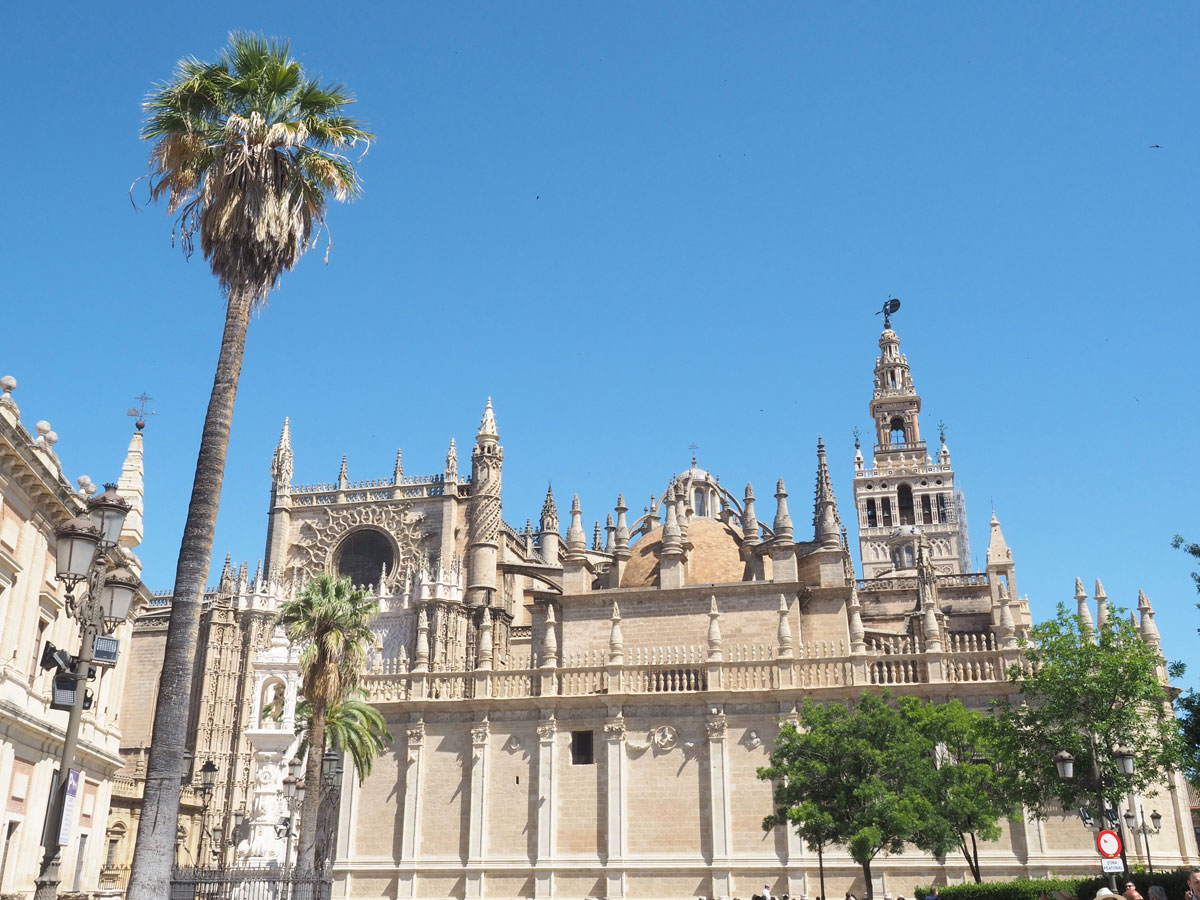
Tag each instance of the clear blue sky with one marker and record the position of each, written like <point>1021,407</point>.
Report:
<point>642,226</point>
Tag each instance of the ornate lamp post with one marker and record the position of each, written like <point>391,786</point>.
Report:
<point>331,782</point>
<point>82,555</point>
<point>293,792</point>
<point>208,783</point>
<point>1131,821</point>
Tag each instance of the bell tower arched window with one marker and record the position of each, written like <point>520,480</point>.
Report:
<point>887,510</point>
<point>926,511</point>
<point>904,500</point>
<point>897,431</point>
<point>872,518</point>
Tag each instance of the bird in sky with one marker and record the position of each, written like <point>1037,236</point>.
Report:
<point>1156,146</point>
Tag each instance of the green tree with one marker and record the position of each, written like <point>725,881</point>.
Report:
<point>1188,705</point>
<point>1088,691</point>
<point>971,792</point>
<point>246,152</point>
<point>329,621</point>
<point>860,776</point>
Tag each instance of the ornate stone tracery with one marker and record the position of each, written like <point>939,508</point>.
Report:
<point>315,553</point>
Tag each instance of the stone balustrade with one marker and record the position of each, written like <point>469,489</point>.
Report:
<point>970,658</point>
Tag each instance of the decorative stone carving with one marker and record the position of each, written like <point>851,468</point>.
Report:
<point>664,738</point>
<point>480,732</point>
<point>715,728</point>
<point>752,740</point>
<point>614,729</point>
<point>513,744</point>
<point>314,554</point>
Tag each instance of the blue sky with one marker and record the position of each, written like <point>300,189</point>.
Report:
<point>643,226</point>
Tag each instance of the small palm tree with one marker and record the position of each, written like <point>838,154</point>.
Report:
<point>352,725</point>
<point>246,151</point>
<point>329,621</point>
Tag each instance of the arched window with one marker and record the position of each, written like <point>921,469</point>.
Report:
<point>872,519</point>
<point>887,510</point>
<point>897,426</point>
<point>909,561</point>
<point>941,507</point>
<point>699,507</point>
<point>904,500</point>
<point>926,511</point>
<point>363,554</point>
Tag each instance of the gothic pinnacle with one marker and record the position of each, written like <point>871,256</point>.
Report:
<point>783,519</point>
<point>576,538</point>
<point>825,518</point>
<point>549,511</point>
<point>398,472</point>
<point>487,425</point>
<point>749,523</point>
<point>451,473</point>
<point>1101,605</point>
<point>1081,604</point>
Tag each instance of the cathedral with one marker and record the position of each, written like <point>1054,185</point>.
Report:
<point>582,716</point>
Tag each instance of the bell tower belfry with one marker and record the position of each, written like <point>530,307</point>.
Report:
<point>904,490</point>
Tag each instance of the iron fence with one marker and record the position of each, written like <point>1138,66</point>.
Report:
<point>271,883</point>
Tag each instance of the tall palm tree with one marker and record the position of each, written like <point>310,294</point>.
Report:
<point>247,151</point>
<point>329,621</point>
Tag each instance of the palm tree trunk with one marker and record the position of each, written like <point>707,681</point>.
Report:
<point>150,877</point>
<point>306,853</point>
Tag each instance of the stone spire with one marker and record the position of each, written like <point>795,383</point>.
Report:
<point>826,524</point>
<point>1148,628</point>
<point>715,649</point>
<point>1008,627</point>
<point>576,537</point>
<point>550,638</point>
<point>343,475</point>
<point>131,488</point>
<point>783,519</point>
<point>1086,626</point>
<point>226,583</point>
<point>548,528</point>
<point>609,530</point>
<point>487,424</point>
<point>621,537</point>
<point>1101,606</point>
<point>484,511</point>
<point>484,656</point>
<point>451,472</point>
<point>398,472</point>
<point>672,537</point>
<point>749,523</point>
<point>616,640</point>
<point>784,632</point>
<point>597,543</point>
<point>997,551</point>
<point>282,464</point>
<point>421,657</point>
<point>858,633</point>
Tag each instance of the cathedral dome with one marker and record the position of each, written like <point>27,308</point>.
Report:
<point>715,555</point>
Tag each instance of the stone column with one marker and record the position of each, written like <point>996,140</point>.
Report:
<point>477,821</point>
<point>719,813</point>
<point>614,740</point>
<point>547,821</point>
<point>411,824</point>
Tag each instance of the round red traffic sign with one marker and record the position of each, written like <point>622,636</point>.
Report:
<point>1108,842</point>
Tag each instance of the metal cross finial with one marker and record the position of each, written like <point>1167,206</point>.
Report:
<point>693,447</point>
<point>140,410</point>
<point>857,438</point>
<point>942,431</point>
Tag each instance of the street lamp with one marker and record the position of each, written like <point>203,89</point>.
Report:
<point>1123,756</point>
<point>82,550</point>
<point>331,783</point>
<point>1131,821</point>
<point>293,792</point>
<point>208,783</point>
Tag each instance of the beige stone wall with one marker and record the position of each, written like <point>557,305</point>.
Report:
<point>445,792</point>
<point>512,793</point>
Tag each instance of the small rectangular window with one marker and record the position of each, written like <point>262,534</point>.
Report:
<point>581,748</point>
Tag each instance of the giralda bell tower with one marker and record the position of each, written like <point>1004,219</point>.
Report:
<point>905,492</point>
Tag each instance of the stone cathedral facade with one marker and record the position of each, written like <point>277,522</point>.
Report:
<point>582,716</point>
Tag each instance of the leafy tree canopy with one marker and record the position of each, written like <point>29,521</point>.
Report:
<point>1086,690</point>
<point>861,776</point>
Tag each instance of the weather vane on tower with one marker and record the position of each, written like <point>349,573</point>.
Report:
<point>140,410</point>
<point>889,307</point>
